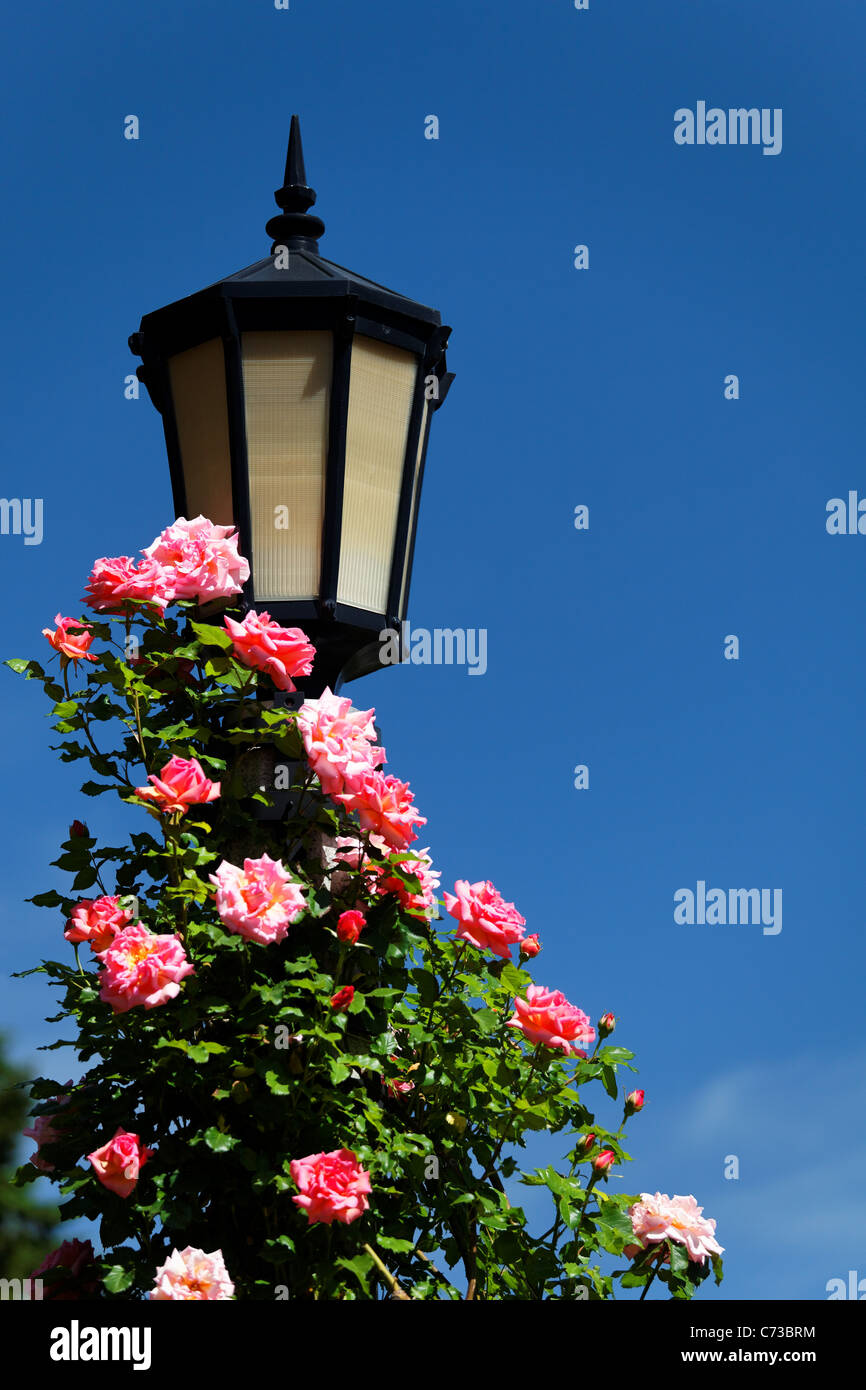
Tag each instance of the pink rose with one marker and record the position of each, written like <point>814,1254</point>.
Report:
<point>586,1144</point>
<point>114,582</point>
<point>603,1161</point>
<point>118,1163</point>
<point>97,921</point>
<point>71,638</point>
<point>658,1217</point>
<point>606,1025</point>
<point>333,1186</point>
<point>350,925</point>
<point>181,784</point>
<point>634,1102</point>
<point>43,1131</point>
<point>259,901</point>
<point>486,920</point>
<point>340,741</point>
<point>420,866</point>
<point>202,559</point>
<point>75,1256</point>
<point>530,946</point>
<point>546,1016</point>
<point>190,1275</point>
<point>384,805</point>
<point>342,999</point>
<point>281,652</point>
<point>142,969</point>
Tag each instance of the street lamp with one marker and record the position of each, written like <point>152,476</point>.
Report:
<point>296,399</point>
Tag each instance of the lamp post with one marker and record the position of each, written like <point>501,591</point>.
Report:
<point>296,398</point>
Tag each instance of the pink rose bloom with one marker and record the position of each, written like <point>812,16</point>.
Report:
<point>71,638</point>
<point>181,784</point>
<point>42,1131</point>
<point>384,805</point>
<point>486,920</point>
<point>281,652</point>
<point>530,946</point>
<point>97,921</point>
<point>604,1160</point>
<point>114,582</point>
<point>422,903</point>
<point>350,925</point>
<point>259,901</point>
<point>141,968</point>
<point>658,1217</point>
<point>333,1186</point>
<point>545,1016</point>
<point>76,1256</point>
<point>340,741</point>
<point>118,1163</point>
<point>190,1274</point>
<point>202,559</point>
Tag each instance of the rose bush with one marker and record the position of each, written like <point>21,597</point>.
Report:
<point>306,1071</point>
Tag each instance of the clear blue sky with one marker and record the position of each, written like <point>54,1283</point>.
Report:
<point>602,387</point>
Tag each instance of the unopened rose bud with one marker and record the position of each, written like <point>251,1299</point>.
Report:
<point>604,1161</point>
<point>78,831</point>
<point>350,925</point>
<point>586,1144</point>
<point>606,1025</point>
<point>342,999</point>
<point>634,1102</point>
<point>530,946</point>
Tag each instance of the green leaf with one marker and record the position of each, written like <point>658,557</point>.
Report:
<point>212,636</point>
<point>117,1279</point>
<point>218,1142</point>
<point>50,899</point>
<point>515,979</point>
<point>608,1076</point>
<point>360,1266</point>
<point>399,1247</point>
<point>679,1257</point>
<point>17,664</point>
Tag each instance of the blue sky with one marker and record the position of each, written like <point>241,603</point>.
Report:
<point>602,387</point>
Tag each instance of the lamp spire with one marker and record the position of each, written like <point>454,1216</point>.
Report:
<point>294,226</point>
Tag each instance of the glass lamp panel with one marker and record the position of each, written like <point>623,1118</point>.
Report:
<point>381,391</point>
<point>198,388</point>
<point>413,512</point>
<point>287,396</point>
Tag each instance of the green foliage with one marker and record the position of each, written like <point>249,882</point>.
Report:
<point>250,1067</point>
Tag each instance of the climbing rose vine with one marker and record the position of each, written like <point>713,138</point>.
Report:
<point>301,1081</point>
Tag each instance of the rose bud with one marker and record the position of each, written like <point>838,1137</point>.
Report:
<point>606,1025</point>
<point>603,1161</point>
<point>350,926</point>
<point>530,946</point>
<point>342,999</point>
<point>634,1102</point>
<point>586,1144</point>
<point>78,830</point>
